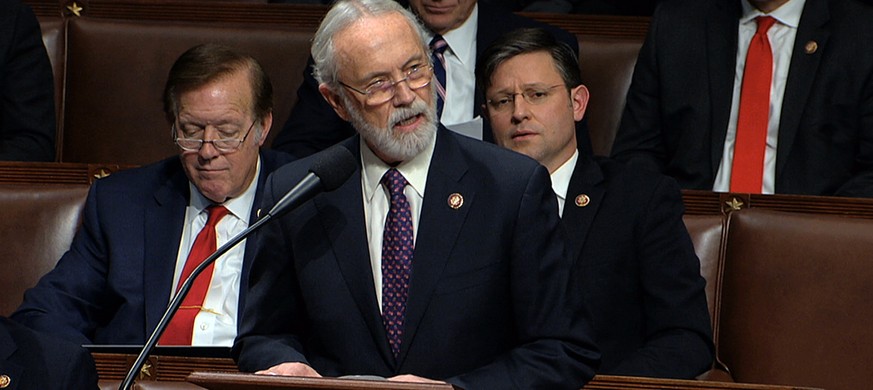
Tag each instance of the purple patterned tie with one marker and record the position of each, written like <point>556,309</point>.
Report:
<point>438,46</point>
<point>397,247</point>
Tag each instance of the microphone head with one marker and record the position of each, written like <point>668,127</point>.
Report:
<point>334,166</point>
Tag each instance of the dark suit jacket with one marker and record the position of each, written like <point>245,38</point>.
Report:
<point>27,105</point>
<point>637,272</point>
<point>679,101</point>
<point>34,361</point>
<point>485,310</point>
<point>113,285</point>
<point>313,125</point>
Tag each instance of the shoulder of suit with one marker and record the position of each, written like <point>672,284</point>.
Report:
<point>615,172</point>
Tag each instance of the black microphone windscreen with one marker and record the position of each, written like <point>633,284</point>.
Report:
<point>334,166</point>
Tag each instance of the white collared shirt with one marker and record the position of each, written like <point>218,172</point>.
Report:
<point>216,323</point>
<point>561,180</point>
<point>781,37</point>
<point>461,72</point>
<point>377,200</point>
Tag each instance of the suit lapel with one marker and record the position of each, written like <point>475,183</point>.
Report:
<point>268,165</point>
<point>163,229</point>
<point>342,215</point>
<point>439,227</point>
<point>721,52</point>
<point>587,179</point>
<point>801,75</point>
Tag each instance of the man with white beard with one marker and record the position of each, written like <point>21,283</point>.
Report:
<point>440,260</point>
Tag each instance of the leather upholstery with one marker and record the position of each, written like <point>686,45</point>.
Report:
<point>795,305</point>
<point>116,71</point>
<point>707,233</point>
<point>109,75</point>
<point>607,66</point>
<point>39,222</point>
<point>53,37</point>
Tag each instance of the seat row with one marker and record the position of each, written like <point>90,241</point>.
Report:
<point>787,291</point>
<point>110,65</point>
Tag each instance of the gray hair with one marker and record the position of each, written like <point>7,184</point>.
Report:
<point>340,17</point>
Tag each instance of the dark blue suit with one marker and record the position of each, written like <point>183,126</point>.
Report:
<point>313,125</point>
<point>113,285</point>
<point>637,271</point>
<point>35,361</point>
<point>27,105</point>
<point>679,102</point>
<point>487,308</point>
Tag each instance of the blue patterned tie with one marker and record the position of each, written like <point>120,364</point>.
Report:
<point>438,46</point>
<point>397,247</point>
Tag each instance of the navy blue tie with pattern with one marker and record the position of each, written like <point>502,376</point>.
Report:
<point>397,247</point>
<point>438,46</point>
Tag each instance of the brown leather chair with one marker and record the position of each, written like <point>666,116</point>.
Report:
<point>38,224</point>
<point>607,65</point>
<point>707,234</point>
<point>795,305</point>
<point>117,70</point>
<point>53,35</point>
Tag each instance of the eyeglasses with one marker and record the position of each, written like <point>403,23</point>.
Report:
<point>534,96</point>
<point>381,91</point>
<point>223,145</point>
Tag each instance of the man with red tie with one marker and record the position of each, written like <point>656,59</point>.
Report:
<point>755,96</point>
<point>145,229</point>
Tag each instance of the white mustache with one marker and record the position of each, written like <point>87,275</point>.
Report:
<point>400,114</point>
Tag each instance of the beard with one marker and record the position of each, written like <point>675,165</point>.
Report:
<point>394,145</point>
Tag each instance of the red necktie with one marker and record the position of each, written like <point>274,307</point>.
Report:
<point>397,248</point>
<point>747,172</point>
<point>181,327</point>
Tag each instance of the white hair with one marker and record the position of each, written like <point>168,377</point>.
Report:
<point>343,14</point>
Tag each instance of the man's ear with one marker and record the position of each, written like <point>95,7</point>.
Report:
<point>579,100</point>
<point>266,124</point>
<point>334,100</point>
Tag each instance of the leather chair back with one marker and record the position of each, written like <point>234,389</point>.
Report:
<point>117,72</point>
<point>795,305</point>
<point>707,234</point>
<point>607,65</point>
<point>39,221</point>
<point>53,37</point>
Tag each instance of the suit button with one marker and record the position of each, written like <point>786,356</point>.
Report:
<point>204,326</point>
<point>5,381</point>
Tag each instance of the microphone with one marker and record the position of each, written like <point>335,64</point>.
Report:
<point>327,173</point>
<point>331,169</point>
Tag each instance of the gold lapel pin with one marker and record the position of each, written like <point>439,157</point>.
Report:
<point>810,47</point>
<point>582,200</point>
<point>456,201</point>
<point>258,213</point>
<point>5,380</point>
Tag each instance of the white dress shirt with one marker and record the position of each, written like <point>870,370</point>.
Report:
<point>377,201</point>
<point>561,180</point>
<point>781,37</point>
<point>461,73</point>
<point>216,323</point>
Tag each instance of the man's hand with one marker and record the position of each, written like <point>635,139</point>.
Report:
<point>413,378</point>
<point>290,369</point>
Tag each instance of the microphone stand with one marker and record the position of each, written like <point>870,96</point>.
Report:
<point>180,296</point>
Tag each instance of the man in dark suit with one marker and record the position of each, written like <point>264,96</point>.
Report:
<point>33,361</point>
<point>384,277</point>
<point>313,125</point>
<point>635,266</point>
<point>684,104</point>
<point>139,225</point>
<point>27,105</point>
